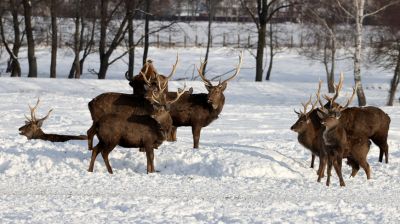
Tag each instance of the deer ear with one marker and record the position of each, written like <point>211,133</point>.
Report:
<point>39,123</point>
<point>223,86</point>
<point>190,91</point>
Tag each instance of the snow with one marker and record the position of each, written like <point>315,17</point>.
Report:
<point>249,168</point>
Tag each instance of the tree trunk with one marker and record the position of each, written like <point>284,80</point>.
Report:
<point>210,19</point>
<point>131,44</point>
<point>29,35</point>
<point>395,81</point>
<point>146,32</point>
<point>357,54</point>
<point>260,52</point>
<point>103,67</point>
<point>271,52</point>
<point>331,78</point>
<point>54,39</point>
<point>15,67</point>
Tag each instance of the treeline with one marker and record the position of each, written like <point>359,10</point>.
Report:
<point>103,25</point>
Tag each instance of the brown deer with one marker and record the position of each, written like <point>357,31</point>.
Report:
<point>33,129</point>
<point>124,104</point>
<point>140,82</point>
<point>308,127</point>
<point>199,110</point>
<point>369,121</point>
<point>139,131</point>
<point>339,144</point>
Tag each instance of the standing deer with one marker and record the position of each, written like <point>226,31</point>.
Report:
<point>199,110</point>
<point>339,144</point>
<point>139,131</point>
<point>140,82</point>
<point>124,104</point>
<point>33,129</point>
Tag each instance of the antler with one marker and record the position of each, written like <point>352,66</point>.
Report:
<point>178,95</point>
<point>200,71</point>
<point>237,68</point>
<point>148,82</point>
<point>33,116</point>
<point>173,67</point>
<point>349,100</point>
<point>338,88</point>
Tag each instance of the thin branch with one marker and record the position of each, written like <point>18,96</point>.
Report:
<point>344,9</point>
<point>381,9</point>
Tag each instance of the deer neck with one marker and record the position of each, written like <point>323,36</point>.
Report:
<point>331,135</point>
<point>306,137</point>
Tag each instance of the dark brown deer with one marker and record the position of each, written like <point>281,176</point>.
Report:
<point>124,104</point>
<point>310,130</point>
<point>33,129</point>
<point>135,131</point>
<point>369,121</point>
<point>199,110</point>
<point>339,144</point>
<point>140,82</point>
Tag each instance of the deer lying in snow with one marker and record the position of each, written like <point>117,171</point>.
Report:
<point>33,129</point>
<point>199,110</point>
<point>135,131</point>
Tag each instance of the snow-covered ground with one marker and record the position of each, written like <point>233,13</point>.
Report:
<point>249,168</point>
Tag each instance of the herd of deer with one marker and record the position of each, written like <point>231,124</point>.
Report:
<point>144,119</point>
<point>333,132</point>
<point>151,115</point>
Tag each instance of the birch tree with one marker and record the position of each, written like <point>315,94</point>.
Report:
<point>357,11</point>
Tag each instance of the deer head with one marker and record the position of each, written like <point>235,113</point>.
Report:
<point>304,116</point>
<point>148,77</point>
<point>215,93</point>
<point>32,127</point>
<point>330,115</point>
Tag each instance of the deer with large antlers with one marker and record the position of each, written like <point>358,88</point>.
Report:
<point>199,110</point>
<point>309,130</point>
<point>145,131</point>
<point>33,128</point>
<point>126,104</point>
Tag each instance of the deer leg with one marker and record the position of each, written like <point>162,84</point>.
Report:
<point>196,136</point>
<point>104,154</point>
<point>321,169</point>
<point>337,163</point>
<point>95,152</point>
<point>364,164</point>
<point>171,137</point>
<point>354,165</point>
<point>150,160</point>
<point>90,135</point>
<point>312,160</point>
<point>381,142</point>
<point>328,179</point>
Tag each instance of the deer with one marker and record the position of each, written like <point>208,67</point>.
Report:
<point>310,130</point>
<point>125,104</point>
<point>140,82</point>
<point>367,121</point>
<point>339,144</point>
<point>33,128</point>
<point>198,110</point>
<point>139,131</point>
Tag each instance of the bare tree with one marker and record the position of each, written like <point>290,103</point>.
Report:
<point>322,21</point>
<point>211,8</point>
<point>358,11</point>
<point>386,48</point>
<point>265,10</point>
<point>13,65</point>
<point>29,35</point>
<point>106,16</point>
<point>54,38</point>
